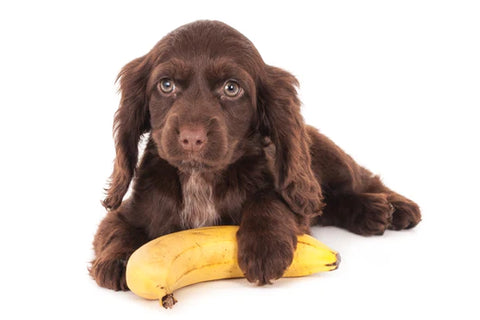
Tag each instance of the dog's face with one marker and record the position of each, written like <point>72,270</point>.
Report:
<point>202,98</point>
<point>201,109</point>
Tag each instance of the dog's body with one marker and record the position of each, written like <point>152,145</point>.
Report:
<point>228,145</point>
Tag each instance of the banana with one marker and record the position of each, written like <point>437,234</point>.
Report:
<point>163,265</point>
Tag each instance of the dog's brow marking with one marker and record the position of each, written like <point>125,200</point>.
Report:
<point>198,207</point>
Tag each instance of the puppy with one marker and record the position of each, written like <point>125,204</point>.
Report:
<point>227,145</point>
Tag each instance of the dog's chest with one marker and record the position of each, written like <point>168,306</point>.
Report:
<point>198,204</point>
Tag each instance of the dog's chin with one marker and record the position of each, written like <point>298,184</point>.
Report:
<point>193,165</point>
<point>197,165</point>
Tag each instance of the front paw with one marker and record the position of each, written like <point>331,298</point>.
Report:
<point>264,256</point>
<point>109,274</point>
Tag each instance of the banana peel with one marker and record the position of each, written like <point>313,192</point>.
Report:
<point>163,265</point>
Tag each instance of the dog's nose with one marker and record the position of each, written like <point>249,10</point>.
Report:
<point>192,139</point>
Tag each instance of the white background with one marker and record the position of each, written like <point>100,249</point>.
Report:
<point>394,83</point>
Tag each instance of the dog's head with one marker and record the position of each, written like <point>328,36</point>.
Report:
<point>203,91</point>
<point>202,94</point>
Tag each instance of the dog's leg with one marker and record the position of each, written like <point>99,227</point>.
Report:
<point>361,213</point>
<point>267,238</point>
<point>356,199</point>
<point>370,212</point>
<point>113,244</point>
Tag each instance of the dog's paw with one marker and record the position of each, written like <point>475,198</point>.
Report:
<point>406,213</point>
<point>109,273</point>
<point>374,215</point>
<point>264,257</point>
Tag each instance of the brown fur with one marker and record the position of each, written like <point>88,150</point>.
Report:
<point>255,163</point>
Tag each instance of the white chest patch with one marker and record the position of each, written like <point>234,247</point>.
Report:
<point>198,207</point>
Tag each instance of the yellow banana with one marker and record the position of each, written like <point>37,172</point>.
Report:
<point>176,260</point>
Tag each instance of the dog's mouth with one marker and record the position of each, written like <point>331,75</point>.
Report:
<point>212,157</point>
<point>189,161</point>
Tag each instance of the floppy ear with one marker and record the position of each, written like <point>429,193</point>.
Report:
<point>280,119</point>
<point>131,121</point>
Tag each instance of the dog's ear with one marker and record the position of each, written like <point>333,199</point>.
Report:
<point>280,119</point>
<point>131,121</point>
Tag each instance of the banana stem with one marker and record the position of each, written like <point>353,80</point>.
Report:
<point>168,301</point>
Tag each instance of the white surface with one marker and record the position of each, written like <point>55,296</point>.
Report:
<point>396,85</point>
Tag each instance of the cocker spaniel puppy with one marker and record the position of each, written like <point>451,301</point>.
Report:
<point>227,145</point>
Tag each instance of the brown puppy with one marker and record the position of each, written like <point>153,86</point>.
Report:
<point>228,145</point>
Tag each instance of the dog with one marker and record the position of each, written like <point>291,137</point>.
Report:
<point>227,145</point>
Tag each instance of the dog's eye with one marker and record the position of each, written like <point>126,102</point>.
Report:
<point>231,88</point>
<point>166,85</point>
